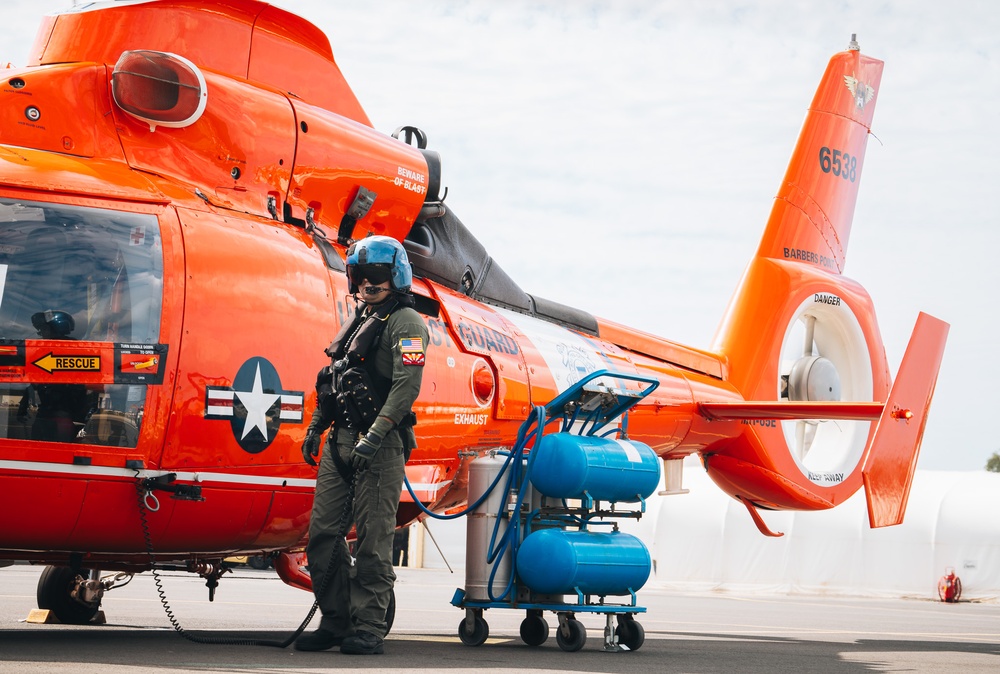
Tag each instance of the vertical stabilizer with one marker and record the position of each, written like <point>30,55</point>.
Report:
<point>814,207</point>
<point>802,251</point>
<point>796,329</point>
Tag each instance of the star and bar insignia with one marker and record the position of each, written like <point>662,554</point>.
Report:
<point>412,350</point>
<point>255,405</point>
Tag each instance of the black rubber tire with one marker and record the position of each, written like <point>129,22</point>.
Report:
<point>576,639</point>
<point>534,630</point>
<point>54,586</point>
<point>259,562</point>
<point>630,634</point>
<point>478,635</point>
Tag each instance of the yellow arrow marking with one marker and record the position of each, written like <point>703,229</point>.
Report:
<point>50,363</point>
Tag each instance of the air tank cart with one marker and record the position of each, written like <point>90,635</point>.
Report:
<point>544,535</point>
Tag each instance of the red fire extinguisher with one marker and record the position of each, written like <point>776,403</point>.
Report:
<point>950,586</point>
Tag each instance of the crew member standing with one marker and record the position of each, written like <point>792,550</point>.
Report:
<point>367,394</point>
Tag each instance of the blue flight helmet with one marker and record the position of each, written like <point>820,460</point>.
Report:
<point>53,324</point>
<point>379,251</point>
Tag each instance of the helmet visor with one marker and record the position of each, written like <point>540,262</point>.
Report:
<point>374,273</point>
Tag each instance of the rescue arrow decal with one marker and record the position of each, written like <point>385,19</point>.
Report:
<point>53,363</point>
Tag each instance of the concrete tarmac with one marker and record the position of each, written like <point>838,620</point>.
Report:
<point>685,632</point>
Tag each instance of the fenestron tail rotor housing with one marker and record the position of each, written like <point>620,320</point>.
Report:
<point>824,358</point>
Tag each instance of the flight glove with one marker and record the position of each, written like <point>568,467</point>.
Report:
<point>310,447</point>
<point>365,451</point>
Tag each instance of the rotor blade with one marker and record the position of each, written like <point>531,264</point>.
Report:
<point>807,347</point>
<point>810,435</point>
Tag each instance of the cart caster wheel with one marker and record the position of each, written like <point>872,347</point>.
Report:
<point>478,634</point>
<point>575,640</point>
<point>534,630</point>
<point>630,634</point>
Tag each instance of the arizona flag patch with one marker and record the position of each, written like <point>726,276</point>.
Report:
<point>412,349</point>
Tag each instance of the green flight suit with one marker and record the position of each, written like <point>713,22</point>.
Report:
<point>357,596</point>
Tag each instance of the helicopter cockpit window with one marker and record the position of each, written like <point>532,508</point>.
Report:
<point>83,274</point>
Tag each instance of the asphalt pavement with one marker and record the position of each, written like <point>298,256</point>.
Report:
<point>684,632</point>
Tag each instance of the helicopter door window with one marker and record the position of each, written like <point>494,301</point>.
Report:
<point>84,274</point>
<point>3,280</point>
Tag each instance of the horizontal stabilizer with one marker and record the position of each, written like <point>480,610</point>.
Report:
<point>892,457</point>
<point>862,411</point>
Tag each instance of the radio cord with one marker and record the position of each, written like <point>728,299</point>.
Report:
<point>345,522</point>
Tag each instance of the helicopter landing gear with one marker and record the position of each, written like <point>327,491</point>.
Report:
<point>74,596</point>
<point>64,592</point>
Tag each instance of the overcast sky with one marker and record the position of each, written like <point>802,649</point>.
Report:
<point>622,157</point>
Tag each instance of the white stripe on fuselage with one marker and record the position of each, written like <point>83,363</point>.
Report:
<point>198,478</point>
<point>182,476</point>
<point>568,356</point>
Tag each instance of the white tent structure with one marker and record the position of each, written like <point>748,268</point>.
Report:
<point>704,540</point>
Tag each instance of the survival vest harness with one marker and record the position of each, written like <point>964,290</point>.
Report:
<point>351,391</point>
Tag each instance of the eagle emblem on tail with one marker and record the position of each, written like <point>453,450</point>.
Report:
<point>862,92</point>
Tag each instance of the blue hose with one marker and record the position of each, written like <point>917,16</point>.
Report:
<point>531,429</point>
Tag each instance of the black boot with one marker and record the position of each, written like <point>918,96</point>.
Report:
<point>320,640</point>
<point>362,643</point>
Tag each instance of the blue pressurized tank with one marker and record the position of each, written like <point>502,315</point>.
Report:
<point>566,465</point>
<point>556,561</point>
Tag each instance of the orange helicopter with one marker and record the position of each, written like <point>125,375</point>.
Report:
<point>175,212</point>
